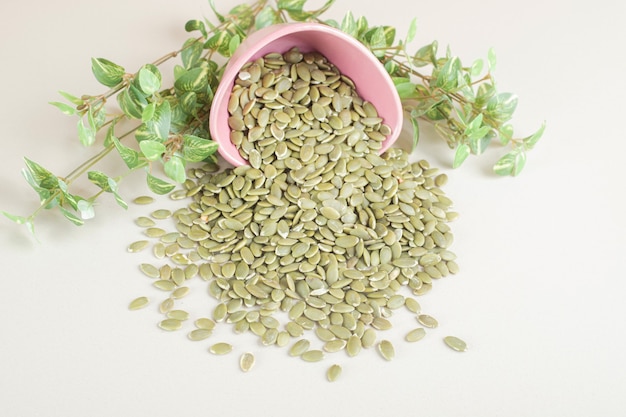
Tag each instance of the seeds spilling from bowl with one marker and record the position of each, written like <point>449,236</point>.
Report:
<point>319,234</point>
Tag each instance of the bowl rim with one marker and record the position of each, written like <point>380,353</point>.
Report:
<point>260,39</point>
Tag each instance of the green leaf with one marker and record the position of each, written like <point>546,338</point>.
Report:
<point>14,218</point>
<point>460,155</point>
<point>447,76</point>
<point>348,24</point>
<point>161,121</point>
<point>71,216</point>
<point>129,156</point>
<point>477,67</point>
<point>501,107</point>
<point>491,59</point>
<point>71,98</point>
<point>416,132</point>
<point>118,199</point>
<point>100,179</point>
<point>219,43</point>
<point>175,169</point>
<point>196,80</point>
<point>426,55</point>
<point>148,81</point>
<point>233,44</point>
<point>86,209</point>
<point>191,53</point>
<point>157,185</point>
<point>412,31</point>
<point>290,5</point>
<point>188,102</point>
<point>406,90</point>
<point>106,72</point>
<point>152,149</point>
<point>148,112</point>
<point>86,135</point>
<point>219,16</point>
<point>192,25</point>
<point>129,106</point>
<point>65,108</point>
<point>266,17</point>
<point>196,149</point>
<point>532,140</point>
<point>40,176</point>
<point>511,163</point>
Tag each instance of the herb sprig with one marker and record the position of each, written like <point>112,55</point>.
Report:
<point>170,123</point>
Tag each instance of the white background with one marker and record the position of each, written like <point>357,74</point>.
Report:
<point>540,296</point>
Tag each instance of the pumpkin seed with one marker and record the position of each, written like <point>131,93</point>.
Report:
<point>455,343</point>
<point>415,335</point>
<point>314,355</point>
<point>138,303</point>
<point>386,349</point>
<point>246,361</point>
<point>427,321</point>
<point>137,246</point>
<point>333,372</point>
<point>221,348</point>
<point>199,334</point>
<point>143,200</point>
<point>170,324</point>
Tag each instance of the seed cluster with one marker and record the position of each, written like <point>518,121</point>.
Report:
<point>318,227</point>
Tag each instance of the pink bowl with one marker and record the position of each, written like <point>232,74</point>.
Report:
<point>351,57</point>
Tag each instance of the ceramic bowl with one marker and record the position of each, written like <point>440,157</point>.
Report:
<point>351,58</point>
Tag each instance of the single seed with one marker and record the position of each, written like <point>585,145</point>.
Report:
<point>246,361</point>
<point>161,214</point>
<point>221,348</point>
<point>137,246</point>
<point>149,270</point>
<point>427,321</point>
<point>386,349</point>
<point>138,303</point>
<point>143,200</point>
<point>205,323</point>
<point>415,335</point>
<point>170,324</point>
<point>199,334</point>
<point>314,355</point>
<point>455,343</point>
<point>333,372</point>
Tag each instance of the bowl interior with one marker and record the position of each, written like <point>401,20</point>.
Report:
<point>346,53</point>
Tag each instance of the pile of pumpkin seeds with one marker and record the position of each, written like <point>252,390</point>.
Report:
<point>319,229</point>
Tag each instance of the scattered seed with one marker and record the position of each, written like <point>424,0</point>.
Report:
<point>415,335</point>
<point>427,321</point>
<point>143,200</point>
<point>386,349</point>
<point>138,303</point>
<point>199,334</point>
<point>333,372</point>
<point>455,343</point>
<point>314,355</point>
<point>221,348</point>
<point>246,361</point>
<point>170,324</point>
<point>137,246</point>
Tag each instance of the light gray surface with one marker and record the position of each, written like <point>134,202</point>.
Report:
<point>539,299</point>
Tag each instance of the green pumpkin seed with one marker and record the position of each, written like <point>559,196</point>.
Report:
<point>170,324</point>
<point>138,303</point>
<point>137,246</point>
<point>199,334</point>
<point>314,355</point>
<point>246,361</point>
<point>415,335</point>
<point>386,349</point>
<point>221,348</point>
<point>143,200</point>
<point>298,348</point>
<point>455,343</point>
<point>427,321</point>
<point>333,372</point>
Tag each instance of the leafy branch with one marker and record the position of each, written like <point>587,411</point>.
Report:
<point>170,123</point>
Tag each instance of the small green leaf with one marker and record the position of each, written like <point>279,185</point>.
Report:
<point>192,25</point>
<point>266,17</point>
<point>71,98</point>
<point>188,102</point>
<point>86,135</point>
<point>86,209</point>
<point>219,43</point>
<point>161,121</point>
<point>460,155</point>
<point>412,31</point>
<point>290,5</point>
<point>448,75</point>
<point>14,218</point>
<point>477,67</point>
<point>491,59</point>
<point>501,107</point>
<point>148,81</point>
<point>65,108</point>
<point>152,149</point>
<point>348,24</point>
<point>129,106</point>
<point>532,140</point>
<point>106,72</point>
<point>191,53</point>
<point>218,15</point>
<point>233,44</point>
<point>148,112</point>
<point>406,90</point>
<point>426,55</point>
<point>157,185</point>
<point>506,164</point>
<point>71,216</point>
<point>196,80</point>
<point>129,156</point>
<point>113,186</point>
<point>100,179</point>
<point>175,169</point>
<point>196,149</point>
<point>416,132</point>
<point>40,176</point>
